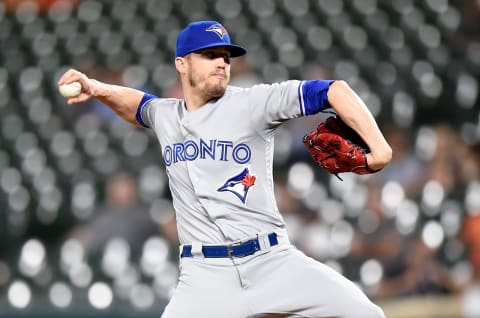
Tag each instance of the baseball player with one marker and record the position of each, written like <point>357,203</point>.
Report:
<point>217,146</point>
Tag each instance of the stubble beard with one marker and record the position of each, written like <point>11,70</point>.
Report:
<point>210,90</point>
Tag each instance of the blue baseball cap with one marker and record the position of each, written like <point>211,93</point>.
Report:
<point>205,34</point>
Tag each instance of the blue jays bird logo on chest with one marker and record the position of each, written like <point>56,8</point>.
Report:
<point>239,184</point>
<point>218,30</point>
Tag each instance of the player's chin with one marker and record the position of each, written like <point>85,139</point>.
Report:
<point>217,90</point>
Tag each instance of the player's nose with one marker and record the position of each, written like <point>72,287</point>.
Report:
<point>220,62</point>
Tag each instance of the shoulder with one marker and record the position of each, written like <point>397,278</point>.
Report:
<point>165,102</point>
<point>235,91</point>
<point>263,87</point>
<point>159,104</point>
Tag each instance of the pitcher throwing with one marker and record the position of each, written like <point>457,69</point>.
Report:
<point>217,145</point>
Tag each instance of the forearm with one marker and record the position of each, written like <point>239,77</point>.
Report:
<point>122,100</point>
<point>356,114</point>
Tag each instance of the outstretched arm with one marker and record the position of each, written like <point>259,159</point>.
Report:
<point>355,114</point>
<point>122,100</point>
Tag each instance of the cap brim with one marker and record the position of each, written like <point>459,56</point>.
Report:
<point>235,50</point>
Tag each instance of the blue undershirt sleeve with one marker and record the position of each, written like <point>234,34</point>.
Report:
<point>145,99</point>
<point>313,96</point>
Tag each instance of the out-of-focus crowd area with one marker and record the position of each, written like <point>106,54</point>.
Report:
<point>86,224</point>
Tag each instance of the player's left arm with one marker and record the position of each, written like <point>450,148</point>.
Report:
<point>353,111</point>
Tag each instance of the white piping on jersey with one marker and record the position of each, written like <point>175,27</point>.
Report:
<point>300,95</point>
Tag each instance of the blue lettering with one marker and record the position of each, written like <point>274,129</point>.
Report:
<point>190,155</point>
<point>178,152</point>
<point>167,156</point>
<point>205,149</point>
<point>191,150</point>
<point>223,144</point>
<point>237,153</point>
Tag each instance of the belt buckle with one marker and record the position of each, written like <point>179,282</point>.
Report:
<point>230,250</point>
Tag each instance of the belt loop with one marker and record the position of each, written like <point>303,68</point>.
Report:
<point>197,249</point>
<point>263,241</point>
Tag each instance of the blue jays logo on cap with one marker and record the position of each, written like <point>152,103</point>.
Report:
<point>239,184</point>
<point>205,34</point>
<point>217,29</point>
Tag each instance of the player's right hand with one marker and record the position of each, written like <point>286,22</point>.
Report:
<point>88,85</point>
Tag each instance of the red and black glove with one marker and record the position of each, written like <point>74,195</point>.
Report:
<point>338,148</point>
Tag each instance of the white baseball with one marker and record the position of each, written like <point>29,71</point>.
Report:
<point>70,90</point>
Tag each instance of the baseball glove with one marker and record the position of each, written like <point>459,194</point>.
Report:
<point>337,148</point>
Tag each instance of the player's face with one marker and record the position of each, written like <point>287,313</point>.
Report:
<point>209,71</point>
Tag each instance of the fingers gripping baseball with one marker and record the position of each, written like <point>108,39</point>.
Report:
<point>68,90</point>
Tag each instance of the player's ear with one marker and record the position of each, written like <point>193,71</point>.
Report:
<point>180,64</point>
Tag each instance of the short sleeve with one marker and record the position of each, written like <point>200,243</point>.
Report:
<point>313,96</point>
<point>143,114</point>
<point>276,103</point>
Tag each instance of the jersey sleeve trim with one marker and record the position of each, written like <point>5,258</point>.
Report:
<point>145,99</point>
<point>313,96</point>
<point>300,98</point>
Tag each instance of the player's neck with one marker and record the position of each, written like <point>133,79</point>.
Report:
<point>194,101</point>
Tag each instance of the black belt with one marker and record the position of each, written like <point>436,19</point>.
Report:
<point>240,249</point>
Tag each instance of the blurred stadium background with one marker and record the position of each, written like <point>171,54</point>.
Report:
<point>86,225</point>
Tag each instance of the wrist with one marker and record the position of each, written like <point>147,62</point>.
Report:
<point>95,88</point>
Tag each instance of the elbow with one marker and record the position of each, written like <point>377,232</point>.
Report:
<point>385,156</point>
<point>380,158</point>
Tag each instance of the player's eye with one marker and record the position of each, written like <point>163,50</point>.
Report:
<point>211,55</point>
<point>226,58</point>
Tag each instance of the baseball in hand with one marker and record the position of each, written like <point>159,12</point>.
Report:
<point>70,90</point>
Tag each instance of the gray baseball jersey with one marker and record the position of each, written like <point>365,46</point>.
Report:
<point>219,157</point>
<point>219,162</point>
